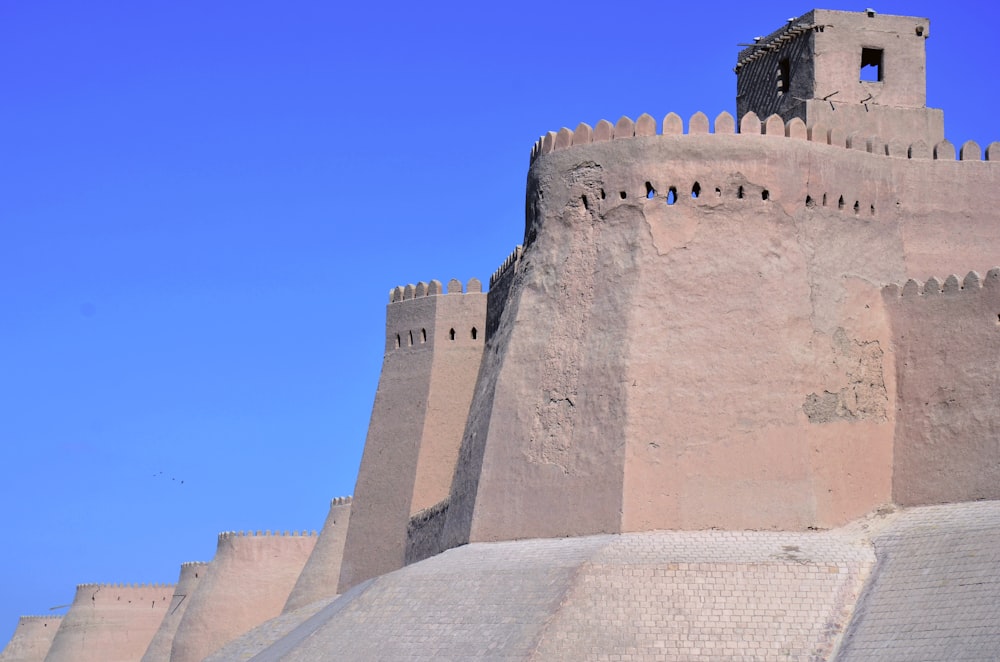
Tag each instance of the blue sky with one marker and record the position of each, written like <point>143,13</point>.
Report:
<point>204,205</point>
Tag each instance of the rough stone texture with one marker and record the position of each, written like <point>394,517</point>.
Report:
<point>660,596</point>
<point>32,639</point>
<point>935,593</point>
<point>110,623</point>
<point>947,444</point>
<point>644,365</point>
<point>190,577</point>
<point>321,573</point>
<point>433,348</point>
<point>247,583</point>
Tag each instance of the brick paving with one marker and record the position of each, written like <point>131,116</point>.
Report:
<point>932,594</point>
<point>935,594</point>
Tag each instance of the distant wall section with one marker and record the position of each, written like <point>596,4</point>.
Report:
<point>32,639</point>
<point>247,583</point>
<point>434,344</point>
<point>947,342</point>
<point>190,577</point>
<point>110,622</point>
<point>322,571</point>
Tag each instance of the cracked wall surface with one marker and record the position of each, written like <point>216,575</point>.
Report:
<point>710,305</point>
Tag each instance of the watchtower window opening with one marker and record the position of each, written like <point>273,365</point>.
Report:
<point>398,341</point>
<point>672,195</point>
<point>411,339</point>
<point>784,76</point>
<point>696,190</point>
<point>423,335</point>
<point>650,191</point>
<point>871,65</point>
<point>474,333</point>
<point>451,334</point>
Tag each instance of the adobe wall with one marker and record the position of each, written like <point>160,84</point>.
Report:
<point>247,583</point>
<point>434,343</point>
<point>191,575</point>
<point>32,639</point>
<point>820,81</point>
<point>609,389</point>
<point>322,571</point>
<point>110,622</point>
<point>947,345</point>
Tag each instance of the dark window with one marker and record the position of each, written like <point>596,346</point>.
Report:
<point>423,335</point>
<point>451,334</point>
<point>871,64</point>
<point>784,76</point>
<point>474,333</point>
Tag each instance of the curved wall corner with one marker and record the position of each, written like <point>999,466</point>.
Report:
<point>322,571</point>
<point>32,639</point>
<point>110,623</point>
<point>190,577</point>
<point>247,583</point>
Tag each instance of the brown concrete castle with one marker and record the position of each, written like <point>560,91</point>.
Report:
<point>702,413</point>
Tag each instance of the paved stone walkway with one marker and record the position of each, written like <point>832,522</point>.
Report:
<point>935,593</point>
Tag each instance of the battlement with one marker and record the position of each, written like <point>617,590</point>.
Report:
<point>88,586</point>
<point>506,265</point>
<point>972,283</point>
<point>229,535</point>
<point>433,288</point>
<point>193,564</point>
<point>751,125</point>
<point>40,618</point>
<point>341,501</point>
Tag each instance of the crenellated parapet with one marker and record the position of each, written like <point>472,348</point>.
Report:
<point>125,585</point>
<point>433,288</point>
<point>751,125</point>
<point>506,265</point>
<point>341,501</point>
<point>973,283</point>
<point>229,535</point>
<point>946,344</point>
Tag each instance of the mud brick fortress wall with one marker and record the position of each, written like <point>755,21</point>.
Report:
<point>711,343</point>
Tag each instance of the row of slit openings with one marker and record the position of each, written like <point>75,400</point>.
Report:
<point>474,334</point>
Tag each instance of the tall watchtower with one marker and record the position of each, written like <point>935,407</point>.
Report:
<point>854,71</point>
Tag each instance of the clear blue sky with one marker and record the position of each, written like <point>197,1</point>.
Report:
<point>203,206</point>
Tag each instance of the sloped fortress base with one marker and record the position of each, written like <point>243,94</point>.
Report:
<point>662,595</point>
<point>917,584</point>
<point>705,352</point>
